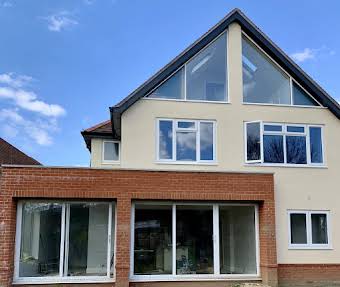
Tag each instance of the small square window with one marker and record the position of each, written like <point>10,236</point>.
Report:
<point>110,151</point>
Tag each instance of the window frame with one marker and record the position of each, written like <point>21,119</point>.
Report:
<point>61,278</point>
<point>184,67</point>
<point>284,133</point>
<point>175,129</point>
<point>216,245</point>
<point>290,78</point>
<point>309,244</point>
<point>103,152</point>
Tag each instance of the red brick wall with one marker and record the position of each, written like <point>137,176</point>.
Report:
<point>125,186</point>
<point>312,275</point>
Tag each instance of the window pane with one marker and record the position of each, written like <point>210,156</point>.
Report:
<point>153,240</point>
<point>263,81</point>
<point>253,141</point>
<point>87,251</point>
<point>319,229</point>
<point>273,148</point>
<point>40,240</point>
<point>296,149</point>
<point>186,125</point>
<point>301,98</point>
<point>111,151</point>
<point>173,88</point>
<point>272,128</point>
<point>298,228</point>
<point>186,146</point>
<point>206,73</point>
<point>207,141</point>
<point>315,145</point>
<point>295,129</point>
<point>194,240</point>
<point>165,139</point>
<point>237,240</point>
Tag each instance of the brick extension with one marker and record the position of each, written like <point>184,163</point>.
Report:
<point>125,186</point>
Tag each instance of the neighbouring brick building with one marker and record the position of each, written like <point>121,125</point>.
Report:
<point>221,169</point>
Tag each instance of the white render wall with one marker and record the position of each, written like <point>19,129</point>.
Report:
<point>295,188</point>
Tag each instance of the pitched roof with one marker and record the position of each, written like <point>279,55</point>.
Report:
<point>9,154</point>
<point>252,31</point>
<point>103,130</point>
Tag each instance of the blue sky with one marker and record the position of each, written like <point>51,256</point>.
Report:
<point>63,63</point>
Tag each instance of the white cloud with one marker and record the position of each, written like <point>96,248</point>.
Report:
<point>26,115</point>
<point>60,21</point>
<point>6,4</point>
<point>311,54</point>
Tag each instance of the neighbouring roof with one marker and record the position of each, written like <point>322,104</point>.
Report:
<point>252,31</point>
<point>102,130</point>
<point>9,154</point>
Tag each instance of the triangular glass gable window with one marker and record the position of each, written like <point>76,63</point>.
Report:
<point>172,88</point>
<point>301,98</point>
<point>263,81</point>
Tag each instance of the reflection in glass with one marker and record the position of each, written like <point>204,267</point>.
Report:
<point>298,228</point>
<point>173,88</point>
<point>296,149</point>
<point>253,141</point>
<point>40,240</point>
<point>186,146</point>
<point>206,73</point>
<point>263,81</point>
<point>206,141</point>
<point>273,148</point>
<point>301,98</point>
<point>237,240</point>
<point>165,139</point>
<point>315,145</point>
<point>111,151</point>
<point>194,240</point>
<point>153,240</point>
<point>87,248</point>
<point>319,229</point>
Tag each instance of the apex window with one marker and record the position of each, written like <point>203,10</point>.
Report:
<point>283,144</point>
<point>309,229</point>
<point>61,242</point>
<point>186,141</point>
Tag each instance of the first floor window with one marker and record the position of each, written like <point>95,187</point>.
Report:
<point>110,151</point>
<point>309,229</point>
<point>59,240</point>
<point>283,143</point>
<point>176,239</point>
<point>186,140</point>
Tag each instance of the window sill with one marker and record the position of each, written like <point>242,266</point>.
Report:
<point>286,165</point>
<point>58,280</point>
<point>284,105</point>
<point>111,162</point>
<point>310,247</point>
<point>196,277</point>
<point>214,163</point>
<point>188,101</point>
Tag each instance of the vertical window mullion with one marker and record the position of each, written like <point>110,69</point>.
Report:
<point>257,238</point>
<point>18,235</point>
<point>198,141</point>
<point>174,140</point>
<point>309,228</point>
<point>261,142</point>
<point>284,148</point>
<point>174,239</point>
<point>216,239</point>
<point>109,230</point>
<point>132,247</point>
<point>185,82</point>
<point>308,150</point>
<point>67,237</point>
<point>62,241</point>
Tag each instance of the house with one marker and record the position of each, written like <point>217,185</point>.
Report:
<point>9,154</point>
<point>220,169</point>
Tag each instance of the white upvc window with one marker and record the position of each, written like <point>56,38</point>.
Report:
<point>309,229</point>
<point>64,242</point>
<point>193,241</point>
<point>110,152</point>
<point>284,144</point>
<point>186,141</point>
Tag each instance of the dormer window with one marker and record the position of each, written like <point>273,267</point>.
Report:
<point>110,152</point>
